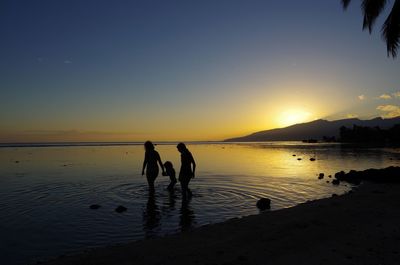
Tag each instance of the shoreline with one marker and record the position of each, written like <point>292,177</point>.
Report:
<point>359,227</point>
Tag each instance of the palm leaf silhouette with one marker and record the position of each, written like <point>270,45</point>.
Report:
<point>391,27</point>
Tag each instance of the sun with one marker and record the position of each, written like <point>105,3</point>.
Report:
<point>290,117</point>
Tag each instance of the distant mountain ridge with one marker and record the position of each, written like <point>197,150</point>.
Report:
<point>313,130</point>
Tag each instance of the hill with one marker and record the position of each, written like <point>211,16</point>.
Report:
<point>313,130</point>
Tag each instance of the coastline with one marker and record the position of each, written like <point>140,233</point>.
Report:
<point>359,227</point>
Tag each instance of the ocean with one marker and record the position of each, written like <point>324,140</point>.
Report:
<point>46,189</point>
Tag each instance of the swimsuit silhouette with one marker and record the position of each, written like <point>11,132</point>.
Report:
<point>187,172</point>
<point>151,158</point>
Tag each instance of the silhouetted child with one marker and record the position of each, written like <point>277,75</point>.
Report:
<point>170,171</point>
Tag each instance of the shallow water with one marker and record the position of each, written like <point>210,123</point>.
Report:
<point>45,192</point>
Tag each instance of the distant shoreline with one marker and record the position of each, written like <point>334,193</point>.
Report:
<point>67,144</point>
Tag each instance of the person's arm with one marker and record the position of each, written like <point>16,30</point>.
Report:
<point>144,164</point>
<point>194,165</point>
<point>160,162</point>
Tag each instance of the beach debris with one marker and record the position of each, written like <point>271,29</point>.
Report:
<point>120,209</point>
<point>321,175</point>
<point>263,204</point>
<point>94,206</point>
<point>312,159</point>
<point>335,182</point>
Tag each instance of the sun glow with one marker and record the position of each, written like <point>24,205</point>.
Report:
<point>291,117</point>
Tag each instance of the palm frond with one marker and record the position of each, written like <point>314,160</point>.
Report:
<point>345,3</point>
<point>371,10</point>
<point>391,30</point>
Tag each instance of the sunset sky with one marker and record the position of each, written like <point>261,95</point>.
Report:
<point>186,70</point>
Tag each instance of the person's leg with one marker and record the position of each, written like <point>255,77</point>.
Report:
<point>150,181</point>
<point>171,185</point>
<point>189,192</point>
<point>184,186</point>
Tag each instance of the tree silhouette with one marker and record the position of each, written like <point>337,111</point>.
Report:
<point>391,27</point>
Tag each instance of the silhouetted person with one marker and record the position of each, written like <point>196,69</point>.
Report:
<point>187,172</point>
<point>151,158</point>
<point>170,171</point>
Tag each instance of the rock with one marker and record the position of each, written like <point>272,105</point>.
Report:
<point>312,159</point>
<point>327,181</point>
<point>16,162</point>
<point>264,204</point>
<point>299,158</point>
<point>94,206</point>
<point>321,175</point>
<point>120,209</point>
<point>329,176</point>
<point>335,182</point>
<point>293,155</point>
<point>340,174</point>
<point>334,195</point>
<point>385,175</point>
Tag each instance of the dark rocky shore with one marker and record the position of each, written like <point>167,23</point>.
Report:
<point>386,175</point>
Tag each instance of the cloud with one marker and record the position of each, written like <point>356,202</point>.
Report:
<point>351,116</point>
<point>67,61</point>
<point>396,94</point>
<point>361,97</point>
<point>385,96</point>
<point>391,111</point>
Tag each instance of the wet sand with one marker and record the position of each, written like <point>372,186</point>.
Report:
<point>361,227</point>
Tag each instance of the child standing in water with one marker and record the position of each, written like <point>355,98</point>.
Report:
<point>170,171</point>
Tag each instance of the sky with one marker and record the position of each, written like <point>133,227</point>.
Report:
<point>98,70</point>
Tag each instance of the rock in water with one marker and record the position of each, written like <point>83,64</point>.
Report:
<point>312,159</point>
<point>335,182</point>
<point>321,175</point>
<point>264,204</point>
<point>120,209</point>
<point>94,206</point>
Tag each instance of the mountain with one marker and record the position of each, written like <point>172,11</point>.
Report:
<point>313,130</point>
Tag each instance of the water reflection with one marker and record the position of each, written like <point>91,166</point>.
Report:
<point>151,216</point>
<point>187,216</point>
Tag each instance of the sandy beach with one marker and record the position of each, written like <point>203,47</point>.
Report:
<point>361,227</point>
